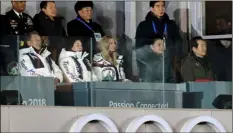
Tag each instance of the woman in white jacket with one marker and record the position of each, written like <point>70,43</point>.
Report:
<point>74,62</point>
<point>108,64</point>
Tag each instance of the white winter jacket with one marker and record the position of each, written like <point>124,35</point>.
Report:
<point>34,64</point>
<point>105,70</point>
<point>76,67</point>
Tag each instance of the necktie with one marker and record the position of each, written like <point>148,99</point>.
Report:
<point>20,16</point>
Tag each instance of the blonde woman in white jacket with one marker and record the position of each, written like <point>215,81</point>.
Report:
<point>108,64</point>
<point>74,62</point>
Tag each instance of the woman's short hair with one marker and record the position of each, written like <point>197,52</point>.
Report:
<point>69,42</point>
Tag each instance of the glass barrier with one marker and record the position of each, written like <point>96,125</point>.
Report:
<point>217,23</point>
<point>112,72</point>
<point>9,81</point>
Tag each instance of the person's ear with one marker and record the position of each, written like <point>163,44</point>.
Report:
<point>43,9</point>
<point>151,9</point>
<point>194,49</point>
<point>80,12</point>
<point>73,48</point>
<point>29,43</point>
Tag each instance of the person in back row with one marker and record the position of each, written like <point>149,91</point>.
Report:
<point>157,22</point>
<point>108,64</point>
<point>83,26</point>
<point>196,67</point>
<point>36,60</point>
<point>17,21</point>
<point>46,21</point>
<point>74,62</point>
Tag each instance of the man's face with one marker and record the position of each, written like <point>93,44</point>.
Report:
<point>19,6</point>
<point>77,47</point>
<point>222,25</point>
<point>158,46</point>
<point>86,13</point>
<point>50,9</point>
<point>158,9</point>
<point>35,42</point>
<point>201,49</point>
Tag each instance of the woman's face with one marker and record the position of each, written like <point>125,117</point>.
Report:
<point>112,45</point>
<point>77,47</point>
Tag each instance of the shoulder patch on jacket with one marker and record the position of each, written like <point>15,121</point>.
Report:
<point>98,57</point>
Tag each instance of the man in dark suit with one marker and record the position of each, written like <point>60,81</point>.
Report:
<point>83,26</point>
<point>46,21</point>
<point>18,22</point>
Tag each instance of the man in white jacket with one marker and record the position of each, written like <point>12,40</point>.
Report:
<point>74,62</point>
<point>36,60</point>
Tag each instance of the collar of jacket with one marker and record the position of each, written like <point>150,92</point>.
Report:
<point>90,21</point>
<point>44,54</point>
<point>79,55</point>
<point>204,61</point>
<point>12,12</point>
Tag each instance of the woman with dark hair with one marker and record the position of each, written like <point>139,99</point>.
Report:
<point>74,62</point>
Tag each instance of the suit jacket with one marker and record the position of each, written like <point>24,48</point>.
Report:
<point>47,27</point>
<point>16,26</point>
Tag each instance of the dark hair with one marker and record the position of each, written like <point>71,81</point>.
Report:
<point>69,42</point>
<point>43,4</point>
<point>194,40</point>
<point>32,33</point>
<point>81,4</point>
<point>157,37</point>
<point>152,3</point>
<point>28,38</point>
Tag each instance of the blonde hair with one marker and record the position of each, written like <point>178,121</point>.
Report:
<point>104,47</point>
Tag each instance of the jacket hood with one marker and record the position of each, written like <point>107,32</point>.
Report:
<point>67,54</point>
<point>150,16</point>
